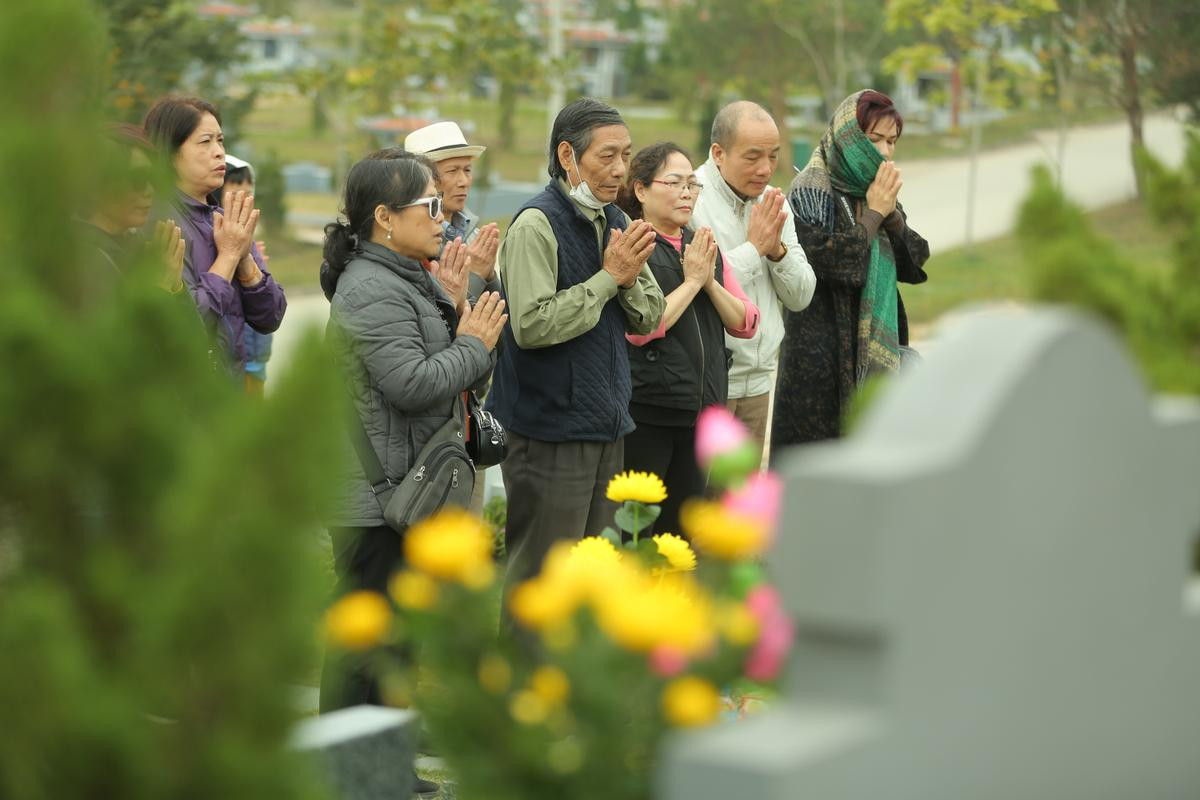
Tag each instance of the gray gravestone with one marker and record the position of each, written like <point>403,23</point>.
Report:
<point>988,581</point>
<point>365,752</point>
<point>305,176</point>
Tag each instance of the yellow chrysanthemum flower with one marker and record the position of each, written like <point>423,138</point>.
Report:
<point>358,620</point>
<point>527,708</point>
<point>677,552</point>
<point>644,487</point>
<point>551,684</point>
<point>543,604</point>
<point>596,549</point>
<point>722,533</point>
<point>495,674</point>
<point>414,590</point>
<point>642,612</point>
<point>452,545</point>
<point>690,702</point>
<point>570,575</point>
<point>737,624</point>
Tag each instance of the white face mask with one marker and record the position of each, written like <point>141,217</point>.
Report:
<point>582,193</point>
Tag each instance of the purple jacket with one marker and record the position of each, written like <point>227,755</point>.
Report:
<point>224,306</point>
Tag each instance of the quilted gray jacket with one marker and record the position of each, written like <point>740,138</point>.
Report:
<point>404,368</point>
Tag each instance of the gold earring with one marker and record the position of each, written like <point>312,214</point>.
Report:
<point>389,234</point>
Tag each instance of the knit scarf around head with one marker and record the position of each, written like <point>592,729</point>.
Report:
<point>846,161</point>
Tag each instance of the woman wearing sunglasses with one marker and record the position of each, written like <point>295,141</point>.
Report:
<point>223,270</point>
<point>407,350</point>
<point>682,366</point>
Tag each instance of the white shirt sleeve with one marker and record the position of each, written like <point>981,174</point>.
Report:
<point>792,277</point>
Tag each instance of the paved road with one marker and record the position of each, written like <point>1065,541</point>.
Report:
<point>1097,173</point>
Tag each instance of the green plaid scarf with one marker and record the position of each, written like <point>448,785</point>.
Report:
<point>846,161</point>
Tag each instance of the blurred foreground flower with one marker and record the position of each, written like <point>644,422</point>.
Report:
<point>452,545</point>
<point>771,649</point>
<point>690,702</point>
<point>724,447</point>
<point>760,497</point>
<point>642,612</point>
<point>641,487</point>
<point>551,685</point>
<point>358,620</point>
<point>413,590</point>
<point>725,534</point>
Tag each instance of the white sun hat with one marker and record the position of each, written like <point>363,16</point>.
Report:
<point>441,140</point>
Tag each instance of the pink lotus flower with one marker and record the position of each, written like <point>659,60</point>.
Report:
<point>667,662</point>
<point>718,432</point>
<point>760,497</point>
<point>767,657</point>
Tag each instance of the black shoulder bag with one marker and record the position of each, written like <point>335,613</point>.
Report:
<point>441,474</point>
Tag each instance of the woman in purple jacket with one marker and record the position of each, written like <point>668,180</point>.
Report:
<point>223,269</point>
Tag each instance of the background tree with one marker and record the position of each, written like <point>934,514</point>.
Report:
<point>742,47</point>
<point>493,40</point>
<point>395,52</point>
<point>269,193</point>
<point>1139,48</point>
<point>965,33</point>
<point>765,50</point>
<point>159,46</point>
<point>1157,314</point>
<point>158,570</point>
<point>1175,54</point>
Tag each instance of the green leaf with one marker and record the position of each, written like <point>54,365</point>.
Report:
<point>647,551</point>
<point>634,517</point>
<point>612,536</point>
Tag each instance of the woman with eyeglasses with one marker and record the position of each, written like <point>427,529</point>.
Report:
<point>223,270</point>
<point>407,351</point>
<point>683,366</point>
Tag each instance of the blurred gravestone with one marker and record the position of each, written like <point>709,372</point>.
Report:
<point>365,752</point>
<point>988,581</point>
<point>304,176</point>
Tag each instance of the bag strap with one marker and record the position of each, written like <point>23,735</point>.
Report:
<point>377,480</point>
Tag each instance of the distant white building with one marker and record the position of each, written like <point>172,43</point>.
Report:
<point>276,46</point>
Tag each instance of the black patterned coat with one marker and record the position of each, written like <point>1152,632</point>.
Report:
<point>820,345</point>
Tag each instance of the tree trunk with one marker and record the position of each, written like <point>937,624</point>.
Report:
<point>779,111</point>
<point>1131,99</point>
<point>1063,90</point>
<point>507,104</point>
<point>955,93</point>
<point>839,51</point>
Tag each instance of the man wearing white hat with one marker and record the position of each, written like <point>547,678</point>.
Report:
<point>444,144</point>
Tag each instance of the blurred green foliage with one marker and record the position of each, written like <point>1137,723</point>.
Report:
<point>1157,313</point>
<point>158,583</point>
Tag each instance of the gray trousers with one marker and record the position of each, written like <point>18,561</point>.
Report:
<point>556,490</point>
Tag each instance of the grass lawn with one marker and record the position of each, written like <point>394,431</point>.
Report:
<point>294,264</point>
<point>995,271</point>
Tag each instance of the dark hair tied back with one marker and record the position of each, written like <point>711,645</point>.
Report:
<point>394,179</point>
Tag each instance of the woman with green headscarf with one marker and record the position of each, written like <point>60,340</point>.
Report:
<point>859,244</point>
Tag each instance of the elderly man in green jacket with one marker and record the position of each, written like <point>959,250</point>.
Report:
<point>573,271</point>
